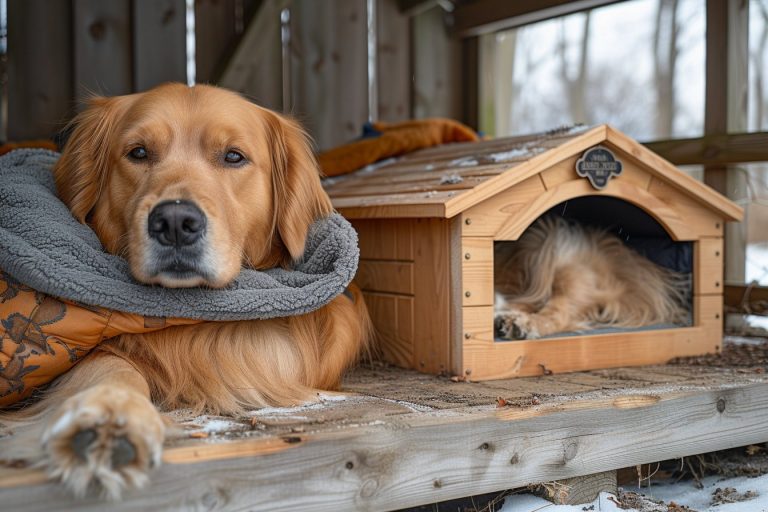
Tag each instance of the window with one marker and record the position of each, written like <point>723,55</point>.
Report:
<point>638,65</point>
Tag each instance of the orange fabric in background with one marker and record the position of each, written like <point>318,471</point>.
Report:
<point>42,144</point>
<point>395,139</point>
<point>42,337</point>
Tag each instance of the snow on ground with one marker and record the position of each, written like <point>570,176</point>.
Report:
<point>530,503</point>
<point>754,492</point>
<point>757,270</point>
<point>685,493</point>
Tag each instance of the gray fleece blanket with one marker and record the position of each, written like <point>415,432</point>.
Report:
<point>45,248</point>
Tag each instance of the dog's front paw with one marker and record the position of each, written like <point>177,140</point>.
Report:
<point>513,324</point>
<point>105,439</point>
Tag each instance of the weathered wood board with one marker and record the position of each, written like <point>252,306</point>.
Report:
<point>397,438</point>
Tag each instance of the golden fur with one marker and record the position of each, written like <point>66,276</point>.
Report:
<point>257,214</point>
<point>563,277</point>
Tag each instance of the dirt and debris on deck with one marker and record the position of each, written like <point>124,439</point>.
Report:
<point>377,392</point>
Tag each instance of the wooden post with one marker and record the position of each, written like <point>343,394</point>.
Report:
<point>725,109</point>
<point>393,62</point>
<point>578,490</point>
<point>436,67</point>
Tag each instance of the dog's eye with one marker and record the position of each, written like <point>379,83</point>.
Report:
<point>138,153</point>
<point>233,157</point>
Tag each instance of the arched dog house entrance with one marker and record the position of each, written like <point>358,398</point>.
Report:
<point>429,221</point>
<point>635,227</point>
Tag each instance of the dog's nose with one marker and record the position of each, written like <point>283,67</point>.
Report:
<point>176,223</point>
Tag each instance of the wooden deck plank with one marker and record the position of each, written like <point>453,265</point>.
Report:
<point>413,439</point>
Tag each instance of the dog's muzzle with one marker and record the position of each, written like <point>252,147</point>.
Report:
<point>176,230</point>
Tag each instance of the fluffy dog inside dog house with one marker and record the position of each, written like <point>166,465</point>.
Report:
<point>443,234</point>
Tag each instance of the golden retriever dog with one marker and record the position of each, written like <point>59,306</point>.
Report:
<point>562,277</point>
<point>189,184</point>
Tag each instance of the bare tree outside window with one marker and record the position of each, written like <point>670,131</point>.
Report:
<point>665,51</point>
<point>758,61</point>
<point>638,65</point>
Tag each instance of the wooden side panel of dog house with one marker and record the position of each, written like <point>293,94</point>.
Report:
<point>708,291</point>
<point>385,275</point>
<point>404,274</point>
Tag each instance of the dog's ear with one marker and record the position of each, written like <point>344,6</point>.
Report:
<point>299,198</point>
<point>81,172</point>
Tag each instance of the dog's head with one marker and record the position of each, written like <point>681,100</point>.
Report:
<point>191,183</point>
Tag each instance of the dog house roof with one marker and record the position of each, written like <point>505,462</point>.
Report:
<point>443,181</point>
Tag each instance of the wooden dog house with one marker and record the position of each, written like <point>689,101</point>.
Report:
<point>428,223</point>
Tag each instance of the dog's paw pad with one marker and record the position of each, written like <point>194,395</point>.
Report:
<point>123,452</point>
<point>81,441</point>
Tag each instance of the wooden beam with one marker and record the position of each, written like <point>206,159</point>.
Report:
<point>716,96</point>
<point>737,295</point>
<point>725,109</point>
<point>716,100</point>
<point>414,458</point>
<point>414,7</point>
<point>470,85</point>
<point>484,16</point>
<point>436,65</point>
<point>578,490</point>
<point>393,62</point>
<point>255,66</point>
<point>717,149</point>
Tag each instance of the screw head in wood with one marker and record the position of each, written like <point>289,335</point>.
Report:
<point>467,293</point>
<point>467,221</point>
<point>467,256</point>
<point>467,335</point>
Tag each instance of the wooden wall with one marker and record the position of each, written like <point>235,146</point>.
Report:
<point>329,69</point>
<point>327,78</point>
<point>61,51</point>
